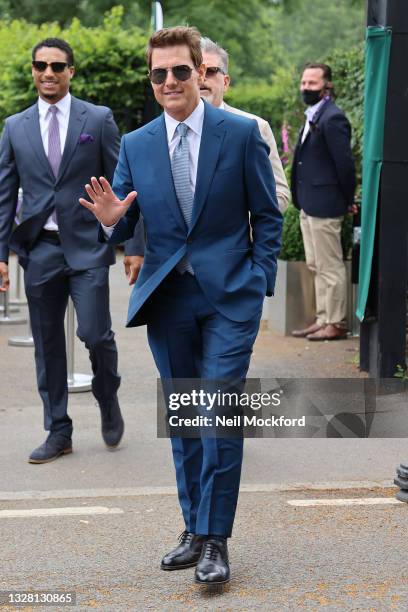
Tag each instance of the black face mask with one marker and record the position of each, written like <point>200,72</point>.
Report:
<point>311,97</point>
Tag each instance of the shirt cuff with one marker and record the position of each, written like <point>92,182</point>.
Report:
<point>108,230</point>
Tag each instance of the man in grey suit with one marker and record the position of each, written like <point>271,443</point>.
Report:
<point>215,85</point>
<point>49,150</point>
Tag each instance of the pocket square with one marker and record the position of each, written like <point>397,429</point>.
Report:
<point>85,138</point>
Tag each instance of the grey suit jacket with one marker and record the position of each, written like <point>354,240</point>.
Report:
<point>282,189</point>
<point>91,149</point>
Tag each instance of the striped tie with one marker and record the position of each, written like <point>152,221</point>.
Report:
<point>180,166</point>
<point>54,148</point>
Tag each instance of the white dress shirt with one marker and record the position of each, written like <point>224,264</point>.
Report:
<point>64,108</point>
<point>195,124</point>
<point>310,113</point>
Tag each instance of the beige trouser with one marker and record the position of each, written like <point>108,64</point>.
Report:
<point>324,257</point>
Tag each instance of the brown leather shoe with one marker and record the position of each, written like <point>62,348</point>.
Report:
<point>302,333</point>
<point>328,332</point>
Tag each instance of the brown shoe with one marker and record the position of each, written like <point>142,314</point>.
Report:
<point>329,332</point>
<point>302,333</point>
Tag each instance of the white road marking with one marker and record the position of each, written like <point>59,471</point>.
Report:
<point>171,490</point>
<point>35,512</point>
<point>357,501</point>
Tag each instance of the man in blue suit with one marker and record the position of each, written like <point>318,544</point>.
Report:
<point>48,150</point>
<point>203,181</point>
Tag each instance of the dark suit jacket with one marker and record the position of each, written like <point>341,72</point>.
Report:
<point>23,163</point>
<point>234,178</point>
<point>323,173</point>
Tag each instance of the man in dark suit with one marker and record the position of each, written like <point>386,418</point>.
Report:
<point>48,150</point>
<point>198,172</point>
<point>323,183</point>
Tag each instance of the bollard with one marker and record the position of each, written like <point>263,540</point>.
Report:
<point>19,299</point>
<point>27,340</point>
<point>5,318</point>
<point>77,383</point>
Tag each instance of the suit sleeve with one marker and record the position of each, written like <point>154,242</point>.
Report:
<point>266,219</point>
<point>282,189</point>
<point>9,184</point>
<point>337,132</point>
<point>122,185</point>
<point>110,149</point>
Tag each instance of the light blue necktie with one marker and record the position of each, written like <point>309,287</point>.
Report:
<point>180,166</point>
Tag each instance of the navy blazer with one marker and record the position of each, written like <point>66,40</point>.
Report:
<point>323,173</point>
<point>235,192</point>
<point>91,149</point>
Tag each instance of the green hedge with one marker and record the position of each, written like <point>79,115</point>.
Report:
<point>110,64</point>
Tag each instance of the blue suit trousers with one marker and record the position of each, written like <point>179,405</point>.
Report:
<point>49,281</point>
<point>189,338</point>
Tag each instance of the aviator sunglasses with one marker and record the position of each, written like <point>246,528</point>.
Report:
<point>55,66</point>
<point>159,75</point>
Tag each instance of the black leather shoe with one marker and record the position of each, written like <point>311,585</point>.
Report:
<point>186,554</point>
<point>54,446</point>
<point>112,423</point>
<point>213,566</point>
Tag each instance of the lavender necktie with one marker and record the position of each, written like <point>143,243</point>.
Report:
<point>54,142</point>
<point>54,149</point>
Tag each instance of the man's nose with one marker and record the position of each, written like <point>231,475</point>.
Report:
<point>170,79</point>
<point>48,71</point>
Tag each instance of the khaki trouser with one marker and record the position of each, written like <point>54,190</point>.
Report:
<point>324,257</point>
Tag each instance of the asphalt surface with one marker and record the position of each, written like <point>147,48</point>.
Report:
<point>282,557</point>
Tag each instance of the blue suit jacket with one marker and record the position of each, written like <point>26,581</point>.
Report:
<point>323,173</point>
<point>235,191</point>
<point>23,163</point>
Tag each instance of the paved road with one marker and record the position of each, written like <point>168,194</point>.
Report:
<point>283,557</point>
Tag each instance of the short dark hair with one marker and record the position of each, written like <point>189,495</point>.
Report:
<point>58,43</point>
<point>325,68</point>
<point>179,35</point>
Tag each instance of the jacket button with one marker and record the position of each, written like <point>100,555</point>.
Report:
<point>189,241</point>
<point>300,163</point>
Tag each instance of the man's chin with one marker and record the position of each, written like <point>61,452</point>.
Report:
<point>207,95</point>
<point>49,96</point>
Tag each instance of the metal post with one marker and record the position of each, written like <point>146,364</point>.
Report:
<point>19,299</point>
<point>77,383</point>
<point>27,340</point>
<point>383,335</point>
<point>5,318</point>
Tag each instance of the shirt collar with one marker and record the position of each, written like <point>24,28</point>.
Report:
<point>63,105</point>
<point>222,105</point>
<point>194,121</point>
<point>311,110</point>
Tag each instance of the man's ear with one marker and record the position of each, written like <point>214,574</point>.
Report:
<point>201,73</point>
<point>227,82</point>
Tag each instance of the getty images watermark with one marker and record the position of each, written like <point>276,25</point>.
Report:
<point>282,408</point>
<point>227,409</point>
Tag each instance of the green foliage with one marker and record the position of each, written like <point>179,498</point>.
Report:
<point>292,243</point>
<point>111,68</point>
<point>268,101</point>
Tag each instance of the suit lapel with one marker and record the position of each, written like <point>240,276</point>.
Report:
<point>77,119</point>
<point>32,129</point>
<point>159,156</point>
<point>212,137</point>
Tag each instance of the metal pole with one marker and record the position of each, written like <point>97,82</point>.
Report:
<point>77,383</point>
<point>19,298</point>
<point>5,318</point>
<point>27,340</point>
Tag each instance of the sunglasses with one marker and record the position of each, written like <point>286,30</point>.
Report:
<point>212,71</point>
<point>159,75</point>
<point>55,66</point>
